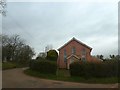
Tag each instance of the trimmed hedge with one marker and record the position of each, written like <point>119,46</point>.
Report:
<point>52,55</point>
<point>103,69</point>
<point>44,66</point>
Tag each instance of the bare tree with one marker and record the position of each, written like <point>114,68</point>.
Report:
<point>3,7</point>
<point>112,56</point>
<point>48,47</point>
<point>9,45</point>
<point>15,49</point>
<point>100,57</point>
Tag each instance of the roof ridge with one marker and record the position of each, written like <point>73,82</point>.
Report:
<point>75,40</point>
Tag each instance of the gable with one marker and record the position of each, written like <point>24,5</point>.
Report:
<point>72,55</point>
<point>77,41</point>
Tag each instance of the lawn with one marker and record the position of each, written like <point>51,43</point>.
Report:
<point>8,65</point>
<point>63,75</point>
<point>0,65</point>
<point>11,65</point>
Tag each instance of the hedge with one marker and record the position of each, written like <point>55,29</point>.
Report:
<point>103,69</point>
<point>44,66</point>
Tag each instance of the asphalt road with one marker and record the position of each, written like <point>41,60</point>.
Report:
<point>15,78</point>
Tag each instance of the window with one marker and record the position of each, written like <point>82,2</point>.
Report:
<point>83,51</point>
<point>83,58</point>
<point>73,50</point>
<point>71,60</point>
<point>65,56</point>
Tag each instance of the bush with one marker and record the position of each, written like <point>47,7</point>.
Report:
<point>103,69</point>
<point>43,66</point>
<point>85,69</point>
<point>52,55</point>
<point>40,58</point>
<point>119,68</point>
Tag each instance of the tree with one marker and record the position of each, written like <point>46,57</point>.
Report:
<point>112,56</point>
<point>100,57</point>
<point>25,55</point>
<point>2,7</point>
<point>41,56</point>
<point>48,47</point>
<point>9,45</point>
<point>6,46</point>
<point>52,55</point>
<point>14,49</point>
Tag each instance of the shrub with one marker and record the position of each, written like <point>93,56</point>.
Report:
<point>52,55</point>
<point>85,69</point>
<point>40,58</point>
<point>119,68</point>
<point>104,69</point>
<point>43,66</point>
<point>75,69</point>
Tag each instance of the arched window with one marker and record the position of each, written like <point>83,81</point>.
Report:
<point>73,50</point>
<point>83,58</point>
<point>65,55</point>
<point>83,51</point>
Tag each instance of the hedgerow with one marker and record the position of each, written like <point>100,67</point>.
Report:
<point>103,69</point>
<point>43,66</point>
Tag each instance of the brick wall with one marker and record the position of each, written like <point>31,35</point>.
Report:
<point>68,48</point>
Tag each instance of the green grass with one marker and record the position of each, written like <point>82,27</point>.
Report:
<point>11,65</point>
<point>0,64</point>
<point>63,75</point>
<point>37,74</point>
<point>18,65</point>
<point>8,65</point>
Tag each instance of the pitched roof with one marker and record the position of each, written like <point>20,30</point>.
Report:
<point>76,41</point>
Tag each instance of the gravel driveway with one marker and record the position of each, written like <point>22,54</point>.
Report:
<point>15,78</point>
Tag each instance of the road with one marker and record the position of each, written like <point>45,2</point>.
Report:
<point>15,78</point>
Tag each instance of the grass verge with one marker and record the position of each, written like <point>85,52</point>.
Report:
<point>11,65</point>
<point>8,65</point>
<point>68,78</point>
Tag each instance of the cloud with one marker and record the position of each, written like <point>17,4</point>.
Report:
<point>55,23</point>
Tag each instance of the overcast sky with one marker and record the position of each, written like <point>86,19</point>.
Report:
<point>55,23</point>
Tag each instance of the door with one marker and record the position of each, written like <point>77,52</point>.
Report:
<point>69,62</point>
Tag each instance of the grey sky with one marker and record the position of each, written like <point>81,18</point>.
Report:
<point>43,23</point>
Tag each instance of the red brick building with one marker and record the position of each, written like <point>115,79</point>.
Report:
<point>72,51</point>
